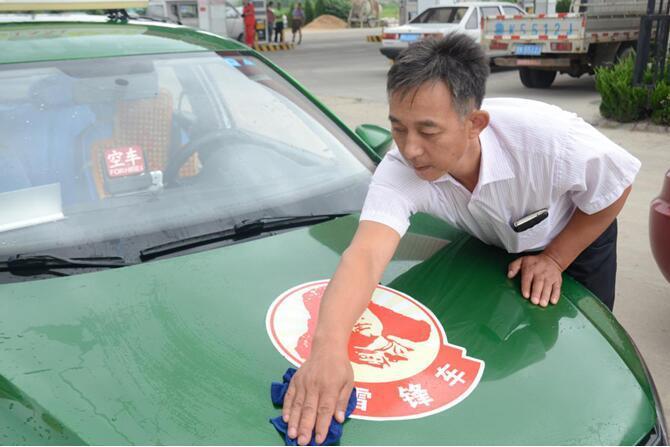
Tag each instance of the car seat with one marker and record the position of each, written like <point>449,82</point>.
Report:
<point>141,116</point>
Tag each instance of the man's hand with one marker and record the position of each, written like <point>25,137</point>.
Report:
<point>319,389</point>
<point>540,278</point>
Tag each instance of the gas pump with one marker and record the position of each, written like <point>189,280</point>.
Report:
<point>260,12</point>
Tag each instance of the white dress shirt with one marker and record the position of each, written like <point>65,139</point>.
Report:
<point>534,156</point>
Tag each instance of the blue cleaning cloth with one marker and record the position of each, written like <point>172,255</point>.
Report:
<point>277,393</point>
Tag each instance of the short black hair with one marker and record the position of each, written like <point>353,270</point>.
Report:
<point>457,60</point>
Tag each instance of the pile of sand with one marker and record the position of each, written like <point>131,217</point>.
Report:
<point>326,21</point>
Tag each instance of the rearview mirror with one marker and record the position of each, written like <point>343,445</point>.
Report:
<point>378,138</point>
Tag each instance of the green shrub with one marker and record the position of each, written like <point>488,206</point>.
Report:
<point>660,104</point>
<point>621,101</point>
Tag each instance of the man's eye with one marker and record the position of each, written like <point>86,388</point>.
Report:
<point>428,134</point>
<point>395,129</point>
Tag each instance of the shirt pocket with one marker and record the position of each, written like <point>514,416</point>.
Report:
<point>534,238</point>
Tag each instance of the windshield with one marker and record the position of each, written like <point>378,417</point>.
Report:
<point>441,15</point>
<point>108,156</point>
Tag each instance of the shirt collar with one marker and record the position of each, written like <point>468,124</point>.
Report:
<point>494,164</point>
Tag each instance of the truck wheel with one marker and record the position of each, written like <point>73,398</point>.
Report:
<point>624,53</point>
<point>534,78</point>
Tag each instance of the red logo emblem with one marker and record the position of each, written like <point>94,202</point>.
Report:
<point>403,366</point>
<point>124,161</point>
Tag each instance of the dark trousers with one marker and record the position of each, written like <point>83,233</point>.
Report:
<point>595,267</point>
<point>279,31</point>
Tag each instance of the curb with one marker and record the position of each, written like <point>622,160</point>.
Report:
<point>636,126</point>
<point>373,38</point>
<point>273,46</point>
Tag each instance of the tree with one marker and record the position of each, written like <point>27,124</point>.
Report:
<point>309,11</point>
<point>319,8</point>
<point>563,6</point>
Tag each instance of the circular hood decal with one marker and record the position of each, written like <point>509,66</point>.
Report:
<point>403,366</point>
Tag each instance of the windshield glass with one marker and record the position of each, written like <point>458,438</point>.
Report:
<point>441,15</point>
<point>108,156</point>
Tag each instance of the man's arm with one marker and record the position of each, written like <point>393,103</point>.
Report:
<point>541,274</point>
<point>322,385</point>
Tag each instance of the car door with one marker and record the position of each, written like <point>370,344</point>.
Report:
<point>234,23</point>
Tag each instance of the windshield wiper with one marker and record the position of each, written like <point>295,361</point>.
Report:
<point>32,265</point>
<point>244,230</point>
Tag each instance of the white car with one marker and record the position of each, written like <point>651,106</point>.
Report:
<point>185,12</point>
<point>438,21</point>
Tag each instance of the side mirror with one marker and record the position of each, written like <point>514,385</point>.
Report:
<point>378,138</point>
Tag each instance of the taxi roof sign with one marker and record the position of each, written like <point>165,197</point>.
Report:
<point>69,5</point>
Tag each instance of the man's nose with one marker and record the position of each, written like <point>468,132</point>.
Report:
<point>413,146</point>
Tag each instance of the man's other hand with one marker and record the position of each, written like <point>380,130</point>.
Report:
<point>319,389</point>
<point>540,278</point>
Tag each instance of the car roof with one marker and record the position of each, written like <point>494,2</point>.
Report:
<point>35,38</point>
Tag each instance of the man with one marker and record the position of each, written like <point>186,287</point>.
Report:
<point>271,21</point>
<point>249,14</point>
<point>297,20</point>
<point>522,175</point>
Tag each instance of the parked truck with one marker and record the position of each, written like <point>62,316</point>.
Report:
<point>594,33</point>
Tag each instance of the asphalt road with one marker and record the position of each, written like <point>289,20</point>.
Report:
<point>342,64</point>
<point>348,74</point>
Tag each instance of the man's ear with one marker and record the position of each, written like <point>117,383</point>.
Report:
<point>479,119</point>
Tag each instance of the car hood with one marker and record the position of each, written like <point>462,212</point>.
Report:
<point>176,351</point>
<point>423,28</point>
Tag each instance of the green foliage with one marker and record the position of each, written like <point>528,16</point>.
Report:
<point>620,100</point>
<point>660,104</point>
<point>337,8</point>
<point>319,7</point>
<point>563,5</point>
<point>623,102</point>
<point>309,11</point>
<point>390,10</point>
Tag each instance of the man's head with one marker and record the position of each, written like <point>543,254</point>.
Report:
<point>269,4</point>
<point>435,90</point>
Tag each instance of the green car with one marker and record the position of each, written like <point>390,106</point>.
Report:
<point>172,205</point>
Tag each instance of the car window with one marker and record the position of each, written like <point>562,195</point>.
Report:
<point>489,11</point>
<point>473,21</point>
<point>188,11</point>
<point>150,148</point>
<point>512,10</point>
<point>441,15</point>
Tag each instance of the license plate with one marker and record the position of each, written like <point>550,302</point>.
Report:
<point>409,37</point>
<point>528,50</point>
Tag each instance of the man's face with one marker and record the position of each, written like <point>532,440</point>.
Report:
<point>430,134</point>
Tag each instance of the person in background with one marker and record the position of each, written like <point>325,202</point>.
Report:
<point>279,28</point>
<point>249,15</point>
<point>297,20</point>
<point>271,22</point>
